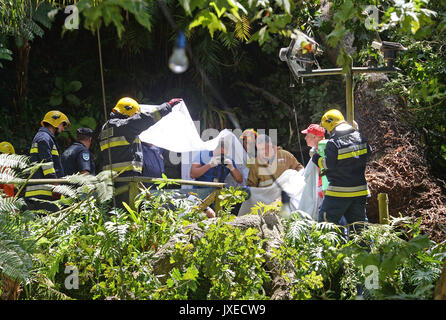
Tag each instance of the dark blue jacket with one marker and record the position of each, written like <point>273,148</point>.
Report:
<point>121,135</point>
<point>77,158</point>
<point>346,154</point>
<point>153,161</point>
<point>44,149</point>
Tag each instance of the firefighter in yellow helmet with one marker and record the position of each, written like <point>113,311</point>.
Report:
<point>121,149</point>
<point>6,147</point>
<point>346,154</point>
<point>44,149</point>
<point>8,189</point>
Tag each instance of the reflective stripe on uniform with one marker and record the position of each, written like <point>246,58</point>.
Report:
<point>125,166</point>
<point>353,151</point>
<point>34,148</point>
<point>48,169</point>
<point>39,190</point>
<point>357,191</point>
<point>322,163</point>
<point>113,142</point>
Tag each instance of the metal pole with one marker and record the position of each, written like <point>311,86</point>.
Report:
<point>349,96</point>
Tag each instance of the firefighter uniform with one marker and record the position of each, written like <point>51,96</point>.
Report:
<point>44,149</point>
<point>346,154</point>
<point>7,189</point>
<point>121,149</point>
<point>77,158</point>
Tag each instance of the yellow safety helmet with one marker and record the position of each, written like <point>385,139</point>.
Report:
<point>6,147</point>
<point>248,133</point>
<point>331,119</point>
<point>126,106</point>
<point>55,118</point>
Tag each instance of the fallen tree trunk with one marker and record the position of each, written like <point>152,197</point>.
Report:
<point>270,229</point>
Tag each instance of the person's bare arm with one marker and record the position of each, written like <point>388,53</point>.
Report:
<point>237,175</point>
<point>197,169</point>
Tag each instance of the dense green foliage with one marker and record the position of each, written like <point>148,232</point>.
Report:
<point>88,250</point>
<point>235,70</point>
<point>112,253</point>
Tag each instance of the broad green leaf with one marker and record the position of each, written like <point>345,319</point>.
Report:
<point>73,99</point>
<point>219,11</point>
<point>191,273</point>
<point>56,100</point>
<point>74,86</point>
<point>59,83</point>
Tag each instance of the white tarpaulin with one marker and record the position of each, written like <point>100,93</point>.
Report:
<point>290,181</point>
<point>301,187</point>
<point>310,200</point>
<point>177,132</point>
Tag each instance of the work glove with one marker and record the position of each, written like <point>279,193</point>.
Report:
<point>173,102</point>
<point>228,163</point>
<point>56,196</point>
<point>215,161</point>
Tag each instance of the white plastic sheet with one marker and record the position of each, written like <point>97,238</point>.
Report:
<point>177,132</point>
<point>310,200</point>
<point>290,181</point>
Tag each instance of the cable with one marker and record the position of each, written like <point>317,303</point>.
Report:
<point>298,134</point>
<point>123,295</point>
<point>105,108</point>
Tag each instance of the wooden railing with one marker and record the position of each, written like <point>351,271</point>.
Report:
<point>134,186</point>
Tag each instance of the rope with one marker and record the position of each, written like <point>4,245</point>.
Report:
<point>105,108</point>
<point>298,133</point>
<point>123,294</point>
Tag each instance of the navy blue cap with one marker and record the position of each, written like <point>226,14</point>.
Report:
<point>85,131</point>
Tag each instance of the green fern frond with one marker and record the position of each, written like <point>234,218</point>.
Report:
<point>10,205</point>
<point>297,230</point>
<point>66,190</point>
<point>102,184</point>
<point>229,39</point>
<point>45,290</point>
<point>243,28</point>
<point>15,261</point>
<point>13,161</point>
